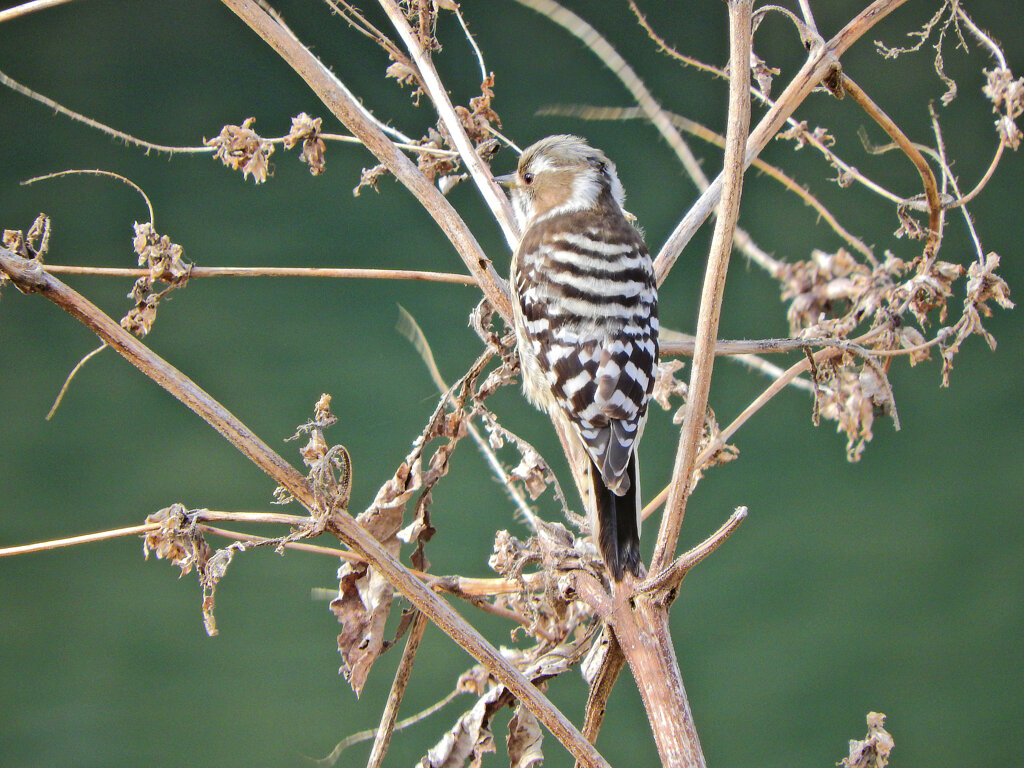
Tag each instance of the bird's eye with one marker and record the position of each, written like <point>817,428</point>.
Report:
<point>527,178</point>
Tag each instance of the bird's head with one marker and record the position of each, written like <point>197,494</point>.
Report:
<point>561,174</point>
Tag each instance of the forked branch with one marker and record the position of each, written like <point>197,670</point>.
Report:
<point>29,277</point>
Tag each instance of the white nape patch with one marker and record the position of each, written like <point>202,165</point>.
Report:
<point>618,192</point>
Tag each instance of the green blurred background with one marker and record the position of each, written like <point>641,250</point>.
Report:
<point>894,584</point>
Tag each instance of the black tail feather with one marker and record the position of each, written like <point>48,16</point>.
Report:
<point>618,527</point>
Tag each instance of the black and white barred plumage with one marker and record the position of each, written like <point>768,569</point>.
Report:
<point>586,318</point>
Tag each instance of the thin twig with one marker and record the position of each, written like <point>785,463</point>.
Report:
<point>368,734</point>
<point>404,143</point>
<point>67,382</point>
<point>78,117</point>
<point>777,386</point>
<point>714,283</point>
<point>74,541</point>
<point>669,578</point>
<point>27,8</point>
<point>343,105</point>
<point>409,328</point>
<point>472,41</point>
<point>198,272</point>
<point>97,172</point>
<point>601,685</point>
<point>382,737</point>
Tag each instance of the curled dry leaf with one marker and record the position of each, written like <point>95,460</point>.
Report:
<point>471,737</point>
<point>822,287</point>
<point>533,471</point>
<point>165,262</point>
<point>873,751</point>
<point>525,739</point>
<point>239,147</point>
<point>1007,97</point>
<point>179,541</point>
<point>307,130</point>
<point>369,178</point>
<point>852,398</point>
<point>553,612</point>
<point>32,246</point>
<point>801,136</point>
<point>983,286</point>
<point>364,597</point>
<point>666,385</point>
<point>763,74</point>
<point>176,539</point>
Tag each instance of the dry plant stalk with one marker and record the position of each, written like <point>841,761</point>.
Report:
<point>849,317</point>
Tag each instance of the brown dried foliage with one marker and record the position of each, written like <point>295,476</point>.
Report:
<point>240,148</point>
<point>165,262</point>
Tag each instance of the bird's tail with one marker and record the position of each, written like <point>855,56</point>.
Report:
<point>618,522</point>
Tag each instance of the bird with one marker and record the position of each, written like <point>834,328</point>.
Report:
<point>585,312</point>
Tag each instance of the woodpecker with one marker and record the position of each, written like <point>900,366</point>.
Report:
<point>585,307</point>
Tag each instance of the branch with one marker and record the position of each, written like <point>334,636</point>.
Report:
<point>29,277</point>
<point>823,59</point>
<point>492,194</point>
<point>346,272</point>
<point>26,8</point>
<point>714,282</point>
<point>931,189</point>
<point>343,105</point>
<point>382,738</point>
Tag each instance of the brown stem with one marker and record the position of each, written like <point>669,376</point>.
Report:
<point>346,272</point>
<point>343,105</point>
<point>29,277</point>
<point>714,283</point>
<point>822,60</point>
<point>601,686</point>
<point>931,189</point>
<point>382,739</point>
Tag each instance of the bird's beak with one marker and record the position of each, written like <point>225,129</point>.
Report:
<point>508,180</point>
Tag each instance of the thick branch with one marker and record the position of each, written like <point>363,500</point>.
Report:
<point>30,278</point>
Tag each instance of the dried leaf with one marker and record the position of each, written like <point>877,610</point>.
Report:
<point>239,147</point>
<point>762,73</point>
<point>524,739</point>
<point>364,598</point>
<point>666,385</point>
<point>369,178</point>
<point>471,737</point>
<point>307,130</point>
<point>165,262</point>
<point>874,750</point>
<point>176,540</point>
